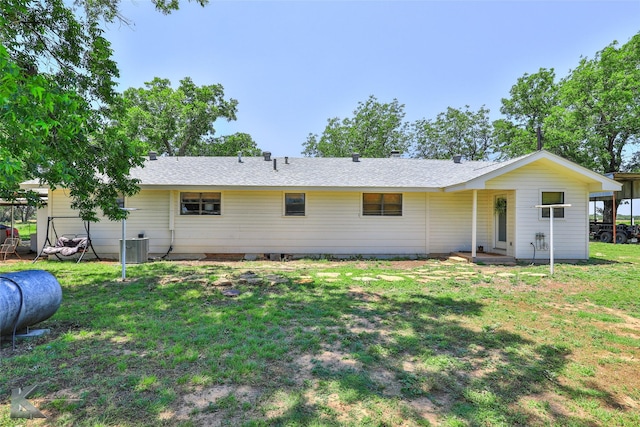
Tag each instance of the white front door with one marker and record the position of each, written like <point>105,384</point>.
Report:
<point>500,215</point>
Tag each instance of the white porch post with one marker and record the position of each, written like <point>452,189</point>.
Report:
<point>474,225</point>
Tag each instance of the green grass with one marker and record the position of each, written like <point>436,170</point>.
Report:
<point>321,343</point>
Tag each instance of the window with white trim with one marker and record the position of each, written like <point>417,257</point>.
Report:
<point>200,203</point>
<point>552,198</point>
<point>294,204</point>
<point>382,204</point>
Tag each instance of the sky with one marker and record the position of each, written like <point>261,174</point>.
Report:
<point>292,65</point>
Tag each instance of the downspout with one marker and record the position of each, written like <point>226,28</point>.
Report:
<point>474,225</point>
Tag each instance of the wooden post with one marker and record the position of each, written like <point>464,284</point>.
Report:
<point>614,211</point>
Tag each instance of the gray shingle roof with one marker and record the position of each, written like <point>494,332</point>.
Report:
<point>310,172</point>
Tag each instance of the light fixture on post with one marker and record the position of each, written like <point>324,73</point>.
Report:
<point>551,209</point>
<point>123,243</point>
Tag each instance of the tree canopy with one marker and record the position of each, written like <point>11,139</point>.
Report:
<point>226,145</point>
<point>454,132</point>
<point>591,116</point>
<point>58,107</point>
<point>176,122</point>
<point>60,116</point>
<point>375,130</point>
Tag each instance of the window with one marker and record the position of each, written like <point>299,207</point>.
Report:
<point>382,204</point>
<point>200,203</point>
<point>294,204</point>
<point>552,198</point>
<point>120,201</point>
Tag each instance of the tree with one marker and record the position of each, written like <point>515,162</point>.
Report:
<point>454,132</point>
<point>172,121</point>
<point>602,101</point>
<point>54,136</point>
<point>228,145</point>
<point>375,130</point>
<point>533,98</point>
<point>592,116</point>
<point>59,112</point>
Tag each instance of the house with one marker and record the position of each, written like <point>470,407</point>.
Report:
<point>345,207</point>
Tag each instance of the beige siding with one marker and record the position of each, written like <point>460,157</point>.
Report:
<point>253,222</point>
<point>151,218</point>
<point>450,221</point>
<point>432,223</point>
<point>570,234</point>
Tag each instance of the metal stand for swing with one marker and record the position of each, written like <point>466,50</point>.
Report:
<point>48,243</point>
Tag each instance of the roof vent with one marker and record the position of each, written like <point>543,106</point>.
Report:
<point>355,157</point>
<point>267,156</point>
<point>457,158</point>
<point>395,153</point>
<point>153,155</point>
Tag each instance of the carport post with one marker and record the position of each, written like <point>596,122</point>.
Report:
<point>551,208</point>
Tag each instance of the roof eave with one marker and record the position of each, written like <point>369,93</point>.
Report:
<point>210,187</point>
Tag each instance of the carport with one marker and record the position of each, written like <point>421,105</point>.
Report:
<point>630,191</point>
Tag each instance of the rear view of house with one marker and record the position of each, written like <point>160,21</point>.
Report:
<point>344,207</point>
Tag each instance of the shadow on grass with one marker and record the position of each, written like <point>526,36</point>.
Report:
<point>312,352</point>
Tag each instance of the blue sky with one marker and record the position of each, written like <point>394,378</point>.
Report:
<point>294,64</point>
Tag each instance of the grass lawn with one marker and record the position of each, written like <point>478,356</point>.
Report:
<point>322,343</point>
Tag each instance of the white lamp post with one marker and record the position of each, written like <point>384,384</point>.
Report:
<point>551,208</point>
<point>123,251</point>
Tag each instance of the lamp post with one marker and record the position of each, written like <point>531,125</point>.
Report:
<point>551,208</point>
<point>123,251</point>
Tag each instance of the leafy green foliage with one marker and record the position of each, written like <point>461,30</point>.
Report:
<point>532,99</point>
<point>227,145</point>
<point>454,132</point>
<point>375,130</point>
<point>592,116</point>
<point>174,122</point>
<point>60,117</point>
<point>52,135</point>
<point>602,99</point>
<point>58,107</point>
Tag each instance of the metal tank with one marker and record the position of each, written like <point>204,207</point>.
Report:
<point>26,298</point>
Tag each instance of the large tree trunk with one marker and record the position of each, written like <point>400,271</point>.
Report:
<point>607,213</point>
